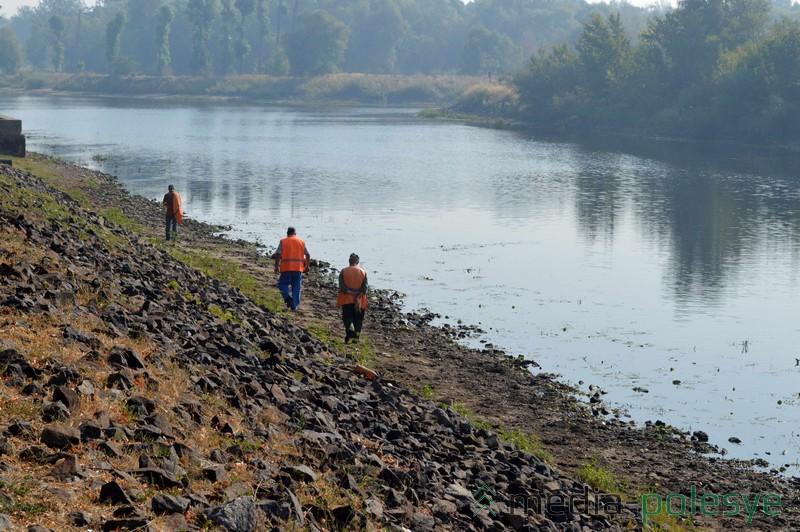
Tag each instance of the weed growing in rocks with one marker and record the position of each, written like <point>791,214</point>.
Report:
<point>664,522</point>
<point>531,444</point>
<point>427,392</point>
<point>116,216</point>
<point>224,315</point>
<point>600,478</point>
<point>362,352</point>
<point>229,272</point>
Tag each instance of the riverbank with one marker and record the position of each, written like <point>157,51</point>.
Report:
<point>495,391</point>
<point>364,89</point>
<point>473,100</point>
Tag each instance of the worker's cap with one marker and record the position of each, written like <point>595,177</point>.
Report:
<point>290,231</point>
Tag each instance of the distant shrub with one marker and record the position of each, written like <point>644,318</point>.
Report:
<point>377,88</point>
<point>230,86</point>
<point>273,88</point>
<point>278,63</point>
<point>31,80</point>
<point>486,100</point>
<point>414,93</point>
<point>348,87</point>
<point>124,66</point>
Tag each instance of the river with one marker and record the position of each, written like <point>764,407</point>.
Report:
<point>670,268</point>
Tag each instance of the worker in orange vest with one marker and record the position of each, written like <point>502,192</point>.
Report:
<point>291,260</point>
<point>352,298</point>
<point>174,210</point>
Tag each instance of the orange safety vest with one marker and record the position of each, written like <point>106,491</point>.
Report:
<point>173,203</point>
<point>293,254</point>
<point>353,278</point>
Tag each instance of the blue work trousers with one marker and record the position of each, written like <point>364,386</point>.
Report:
<point>171,221</point>
<point>295,281</point>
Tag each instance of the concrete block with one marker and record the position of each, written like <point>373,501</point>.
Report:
<point>12,141</point>
<point>10,126</point>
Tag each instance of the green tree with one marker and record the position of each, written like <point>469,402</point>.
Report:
<point>436,35</point>
<point>532,24</point>
<point>488,51</point>
<point>262,19</point>
<point>163,26</point>
<point>781,50</point>
<point>758,89</point>
<point>548,84</point>
<point>317,45</point>
<point>11,56</point>
<point>242,47</point>
<point>646,87</point>
<point>114,38</point>
<point>604,53</point>
<point>201,14</point>
<point>278,63</point>
<point>693,36</point>
<point>226,53</point>
<point>140,21</point>
<point>375,38</point>
<point>59,7</point>
<point>282,12</point>
<point>57,26</point>
<point>80,66</point>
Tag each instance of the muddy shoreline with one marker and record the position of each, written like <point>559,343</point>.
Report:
<point>492,385</point>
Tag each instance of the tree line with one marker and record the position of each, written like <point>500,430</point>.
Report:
<point>295,37</point>
<point>707,69</point>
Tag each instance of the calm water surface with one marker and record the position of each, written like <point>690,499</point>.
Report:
<point>673,269</point>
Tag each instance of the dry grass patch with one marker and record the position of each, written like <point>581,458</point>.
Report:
<point>325,494</point>
<point>41,340</point>
<point>12,242</point>
<point>15,406</point>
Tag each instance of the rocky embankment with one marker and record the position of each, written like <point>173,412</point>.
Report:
<point>139,393</point>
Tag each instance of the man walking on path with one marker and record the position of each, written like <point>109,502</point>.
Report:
<point>172,203</point>
<point>352,298</point>
<point>291,259</point>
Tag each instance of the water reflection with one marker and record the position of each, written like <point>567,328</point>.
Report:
<point>709,219</point>
<point>599,202</point>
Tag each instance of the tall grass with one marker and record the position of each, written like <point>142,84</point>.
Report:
<point>341,87</point>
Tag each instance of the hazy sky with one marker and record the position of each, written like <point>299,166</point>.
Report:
<point>9,7</point>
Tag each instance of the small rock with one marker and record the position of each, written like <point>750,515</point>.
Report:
<point>374,508</point>
<point>60,436</point>
<point>113,493</point>
<point>81,519</point>
<point>238,515</point>
<point>68,396</point>
<point>163,503</point>
<point>67,469</point>
<point>301,473</point>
